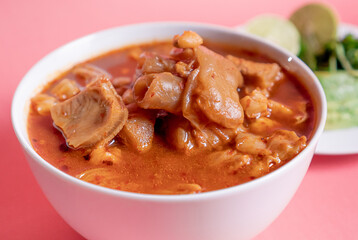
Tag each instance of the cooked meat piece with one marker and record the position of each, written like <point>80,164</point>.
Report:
<point>294,116</point>
<point>280,111</point>
<point>90,72</point>
<point>138,133</point>
<point>229,159</point>
<point>213,90</point>
<point>205,138</point>
<point>178,134</point>
<point>132,107</point>
<point>264,126</point>
<point>217,67</point>
<point>226,135</point>
<point>102,154</point>
<point>121,90</point>
<point>213,136</point>
<point>258,169</point>
<point>255,104</point>
<point>183,54</point>
<point>251,144</point>
<point>248,89</point>
<point>224,156</point>
<point>183,136</point>
<point>302,114</point>
<point>42,103</point>
<point>96,114</point>
<point>128,97</point>
<point>272,160</point>
<point>153,63</point>
<point>263,74</point>
<point>190,108</point>
<point>188,39</point>
<point>286,144</point>
<point>184,69</point>
<point>239,162</point>
<point>65,89</point>
<point>159,91</point>
<point>121,81</point>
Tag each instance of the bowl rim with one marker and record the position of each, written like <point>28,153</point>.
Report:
<point>320,122</point>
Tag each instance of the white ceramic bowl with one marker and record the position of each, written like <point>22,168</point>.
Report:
<point>238,212</point>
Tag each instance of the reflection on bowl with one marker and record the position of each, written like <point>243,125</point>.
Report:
<point>238,212</point>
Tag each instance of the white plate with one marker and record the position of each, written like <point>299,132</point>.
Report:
<point>340,141</point>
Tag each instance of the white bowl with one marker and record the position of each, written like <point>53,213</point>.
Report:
<point>239,212</point>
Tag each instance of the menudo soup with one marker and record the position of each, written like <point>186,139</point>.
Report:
<point>172,118</point>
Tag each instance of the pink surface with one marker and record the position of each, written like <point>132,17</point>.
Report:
<point>326,204</point>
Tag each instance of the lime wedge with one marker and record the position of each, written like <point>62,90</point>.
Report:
<point>276,30</point>
<point>317,24</point>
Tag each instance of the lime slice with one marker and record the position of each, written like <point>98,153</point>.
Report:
<point>317,24</point>
<point>276,30</point>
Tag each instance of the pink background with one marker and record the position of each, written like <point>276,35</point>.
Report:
<point>326,204</point>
